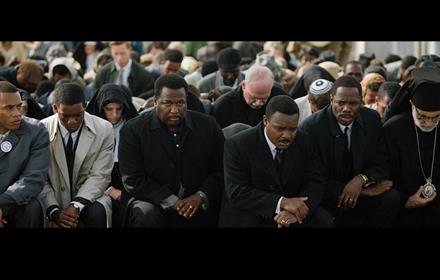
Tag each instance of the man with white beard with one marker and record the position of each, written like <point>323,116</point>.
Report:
<point>414,149</point>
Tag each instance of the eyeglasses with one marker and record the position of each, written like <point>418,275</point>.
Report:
<point>422,117</point>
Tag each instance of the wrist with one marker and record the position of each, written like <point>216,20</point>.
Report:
<point>365,180</point>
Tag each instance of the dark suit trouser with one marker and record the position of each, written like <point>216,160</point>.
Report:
<point>147,215</point>
<point>93,216</point>
<point>29,215</point>
<point>375,211</point>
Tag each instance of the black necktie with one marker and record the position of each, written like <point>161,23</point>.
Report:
<point>345,138</point>
<point>69,155</point>
<point>279,159</point>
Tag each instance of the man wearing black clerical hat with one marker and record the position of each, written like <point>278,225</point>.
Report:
<point>414,149</point>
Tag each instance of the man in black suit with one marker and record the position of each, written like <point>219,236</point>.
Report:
<point>272,174</point>
<point>171,162</point>
<point>124,71</point>
<point>352,149</point>
<point>247,103</point>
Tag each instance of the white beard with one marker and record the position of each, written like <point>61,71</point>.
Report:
<point>419,125</point>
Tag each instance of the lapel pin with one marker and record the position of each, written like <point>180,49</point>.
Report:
<point>6,146</point>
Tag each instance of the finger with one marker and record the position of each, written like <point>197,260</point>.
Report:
<point>304,198</point>
<point>276,217</point>
<point>188,211</point>
<point>340,200</point>
<point>419,191</point>
<point>354,202</point>
<point>193,212</point>
<point>70,219</point>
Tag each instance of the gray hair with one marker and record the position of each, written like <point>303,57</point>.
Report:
<point>258,73</point>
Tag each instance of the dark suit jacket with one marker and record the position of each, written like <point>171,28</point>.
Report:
<point>252,183</point>
<point>367,145</point>
<point>148,163</point>
<point>139,80</point>
<point>232,108</point>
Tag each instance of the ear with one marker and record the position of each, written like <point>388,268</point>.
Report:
<point>265,120</point>
<point>243,85</point>
<point>54,108</point>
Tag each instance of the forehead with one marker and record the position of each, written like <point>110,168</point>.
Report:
<point>428,113</point>
<point>283,120</point>
<point>10,98</point>
<point>171,94</point>
<point>227,71</point>
<point>70,109</point>
<point>353,67</point>
<point>347,93</point>
<point>113,105</point>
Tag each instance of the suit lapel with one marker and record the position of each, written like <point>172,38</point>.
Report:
<point>290,155</point>
<point>60,156</point>
<point>264,155</point>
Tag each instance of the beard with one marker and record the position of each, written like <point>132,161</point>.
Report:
<point>419,125</point>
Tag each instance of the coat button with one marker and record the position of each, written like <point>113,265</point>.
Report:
<point>63,189</point>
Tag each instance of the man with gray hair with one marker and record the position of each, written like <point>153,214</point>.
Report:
<point>317,98</point>
<point>247,103</point>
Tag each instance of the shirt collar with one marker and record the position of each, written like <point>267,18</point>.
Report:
<point>65,132</point>
<point>272,147</point>
<point>126,67</point>
<point>342,127</point>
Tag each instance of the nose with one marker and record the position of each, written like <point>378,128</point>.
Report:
<point>259,102</point>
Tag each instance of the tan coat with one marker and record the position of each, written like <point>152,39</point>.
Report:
<point>92,168</point>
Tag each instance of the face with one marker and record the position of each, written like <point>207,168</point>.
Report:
<point>384,102</point>
<point>71,116</point>
<point>121,54</point>
<point>256,93</point>
<point>370,97</point>
<point>170,67</point>
<point>29,83</point>
<point>354,70</point>
<point>229,76</point>
<point>281,129</point>
<point>10,111</point>
<point>113,112</point>
<point>426,121</point>
<point>171,106</point>
<point>346,103</point>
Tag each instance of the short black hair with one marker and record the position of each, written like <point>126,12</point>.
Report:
<point>172,81</point>
<point>388,88</point>
<point>69,94</point>
<point>283,104</point>
<point>62,70</point>
<point>346,81</point>
<point>7,87</point>
<point>407,61</point>
<point>173,56</point>
<point>352,62</point>
<point>377,69</point>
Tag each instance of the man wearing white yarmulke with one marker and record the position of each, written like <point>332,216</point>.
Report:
<point>317,98</point>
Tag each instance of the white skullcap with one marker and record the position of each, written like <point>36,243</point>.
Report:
<point>320,87</point>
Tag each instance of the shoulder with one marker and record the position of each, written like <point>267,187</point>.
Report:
<point>99,124</point>
<point>398,121</point>
<point>231,97</point>
<point>201,118</point>
<point>317,119</point>
<point>247,136</point>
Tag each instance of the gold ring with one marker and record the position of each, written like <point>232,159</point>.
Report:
<point>351,199</point>
<point>190,207</point>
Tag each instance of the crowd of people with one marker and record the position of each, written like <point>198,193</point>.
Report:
<point>216,134</point>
